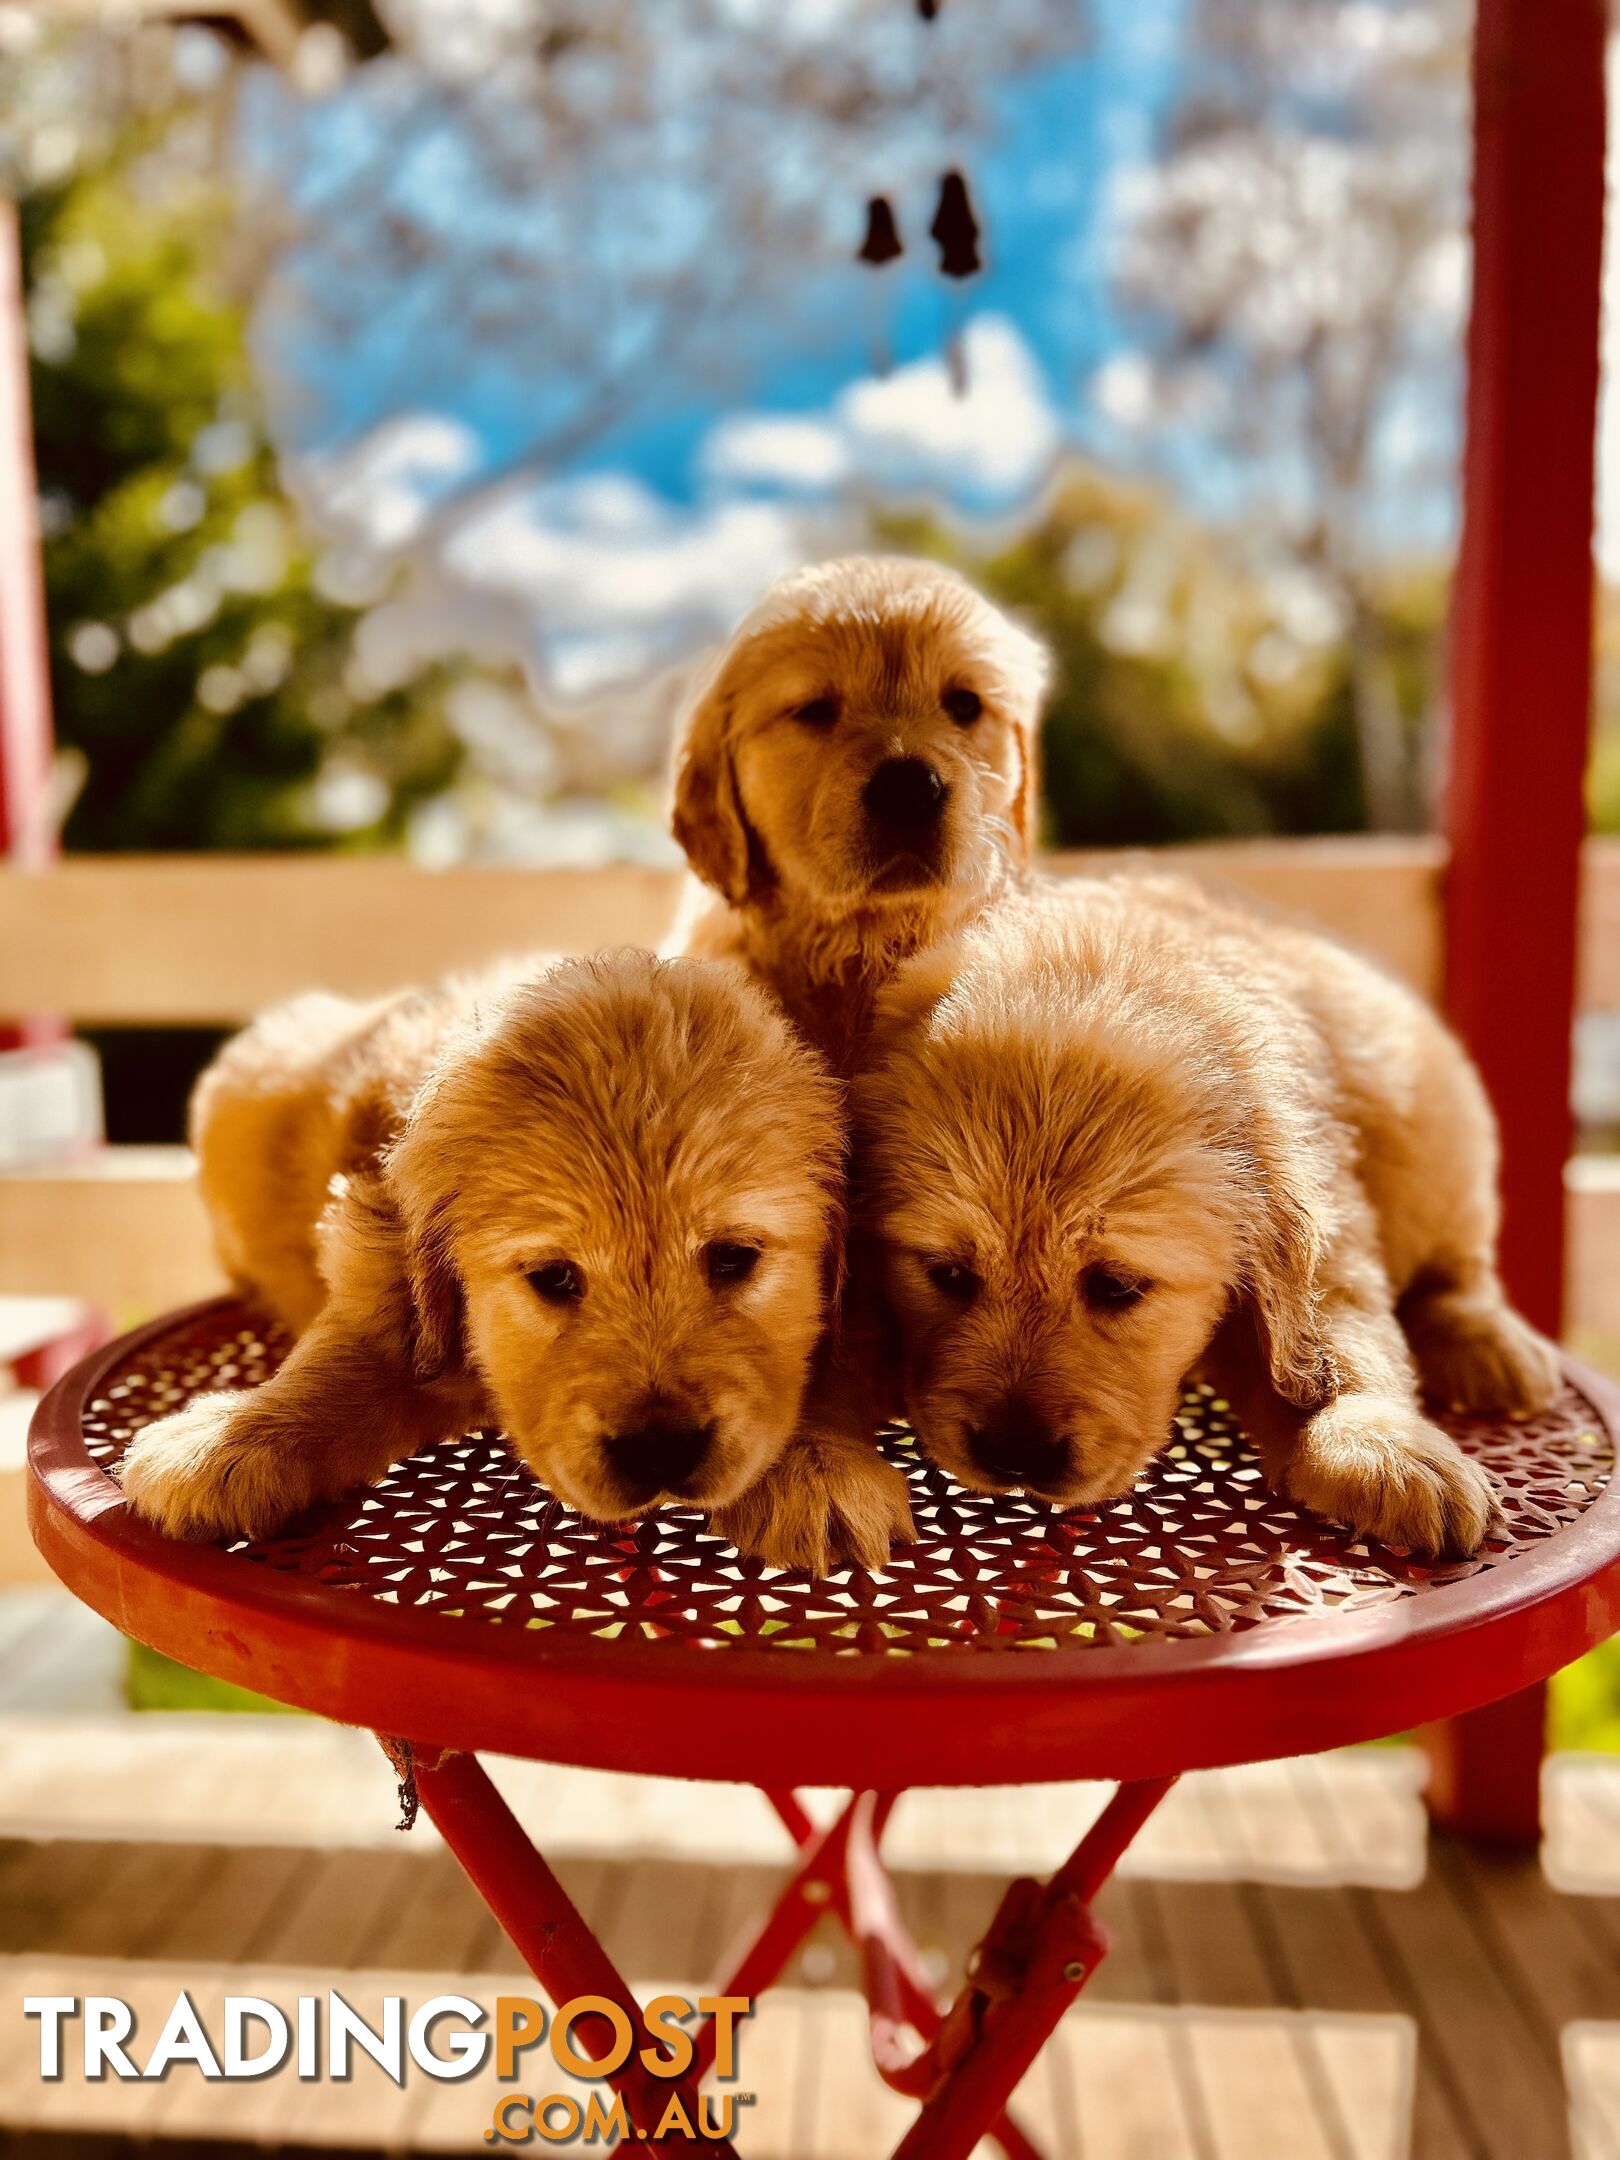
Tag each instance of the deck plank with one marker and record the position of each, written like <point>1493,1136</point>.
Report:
<point>1509,2098</point>
<point>335,1911</point>
<point>442,1922</point>
<point>1591,2056</point>
<point>1258,2102</point>
<point>1581,1804</point>
<point>1556,1969</point>
<point>1119,2091</point>
<point>1328,1961</point>
<point>1215,1956</point>
<point>783,2058</point>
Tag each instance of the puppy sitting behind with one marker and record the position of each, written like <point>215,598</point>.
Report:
<point>1108,1112</point>
<point>597,1206</point>
<point>856,780</point>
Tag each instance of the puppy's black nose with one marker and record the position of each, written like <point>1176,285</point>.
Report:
<point>1016,1445</point>
<point>659,1456</point>
<point>904,795</point>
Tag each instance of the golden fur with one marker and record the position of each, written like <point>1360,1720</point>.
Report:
<point>1110,1112</point>
<point>406,1184</point>
<point>831,1498</point>
<point>840,670</point>
<point>816,897</point>
<point>1107,1131</point>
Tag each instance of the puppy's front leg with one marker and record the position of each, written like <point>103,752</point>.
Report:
<point>830,1500</point>
<point>348,1402</point>
<point>1370,1457</point>
<point>242,1463</point>
<point>1473,1350</point>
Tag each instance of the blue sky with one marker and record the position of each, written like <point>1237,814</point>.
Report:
<point>802,405</point>
<point>1042,186</point>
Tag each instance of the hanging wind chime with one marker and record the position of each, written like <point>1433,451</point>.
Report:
<point>955,231</point>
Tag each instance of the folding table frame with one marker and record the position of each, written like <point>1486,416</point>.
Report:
<point>458,1608</point>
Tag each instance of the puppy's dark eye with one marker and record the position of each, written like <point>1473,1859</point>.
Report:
<point>1105,1291</point>
<point>952,1280</point>
<point>964,706</point>
<point>821,712</point>
<point>730,1263</point>
<point>559,1282</point>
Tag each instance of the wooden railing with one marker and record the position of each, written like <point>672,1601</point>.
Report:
<point>211,939</point>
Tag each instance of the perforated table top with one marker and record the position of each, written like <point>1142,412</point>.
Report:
<point>1201,1618</point>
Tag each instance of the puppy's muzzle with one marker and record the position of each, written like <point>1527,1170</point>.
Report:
<point>1017,1446</point>
<point>905,799</point>
<point>658,1455</point>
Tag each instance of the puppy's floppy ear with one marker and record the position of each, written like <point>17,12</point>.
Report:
<point>1028,673</point>
<point>1284,1273</point>
<point>1026,802</point>
<point>377,1278</point>
<point>415,1169</point>
<point>436,1301</point>
<point>707,814</point>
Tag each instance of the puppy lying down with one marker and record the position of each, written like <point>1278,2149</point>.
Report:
<point>1110,1112</point>
<point>597,1206</point>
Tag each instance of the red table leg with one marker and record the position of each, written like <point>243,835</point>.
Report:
<point>1040,1951</point>
<point>547,1930</point>
<point>843,1874</point>
<point>1046,1946</point>
<point>811,1890</point>
<point>1485,1770</point>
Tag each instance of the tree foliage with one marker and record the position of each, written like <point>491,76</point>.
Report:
<point>1295,262</point>
<point>201,681</point>
<point>1197,692</point>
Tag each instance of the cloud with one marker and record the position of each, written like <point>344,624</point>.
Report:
<point>995,438</point>
<point>594,583</point>
<point>379,490</point>
<point>989,441</point>
<point>788,451</point>
<point>621,581</point>
<point>593,586</point>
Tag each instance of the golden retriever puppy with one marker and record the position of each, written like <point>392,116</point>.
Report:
<point>599,1206</point>
<point>1108,1113</point>
<point>856,779</point>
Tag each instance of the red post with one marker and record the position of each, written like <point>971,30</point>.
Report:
<point>25,712</point>
<point>1521,688</point>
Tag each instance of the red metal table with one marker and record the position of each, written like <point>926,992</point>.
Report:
<point>458,1606</point>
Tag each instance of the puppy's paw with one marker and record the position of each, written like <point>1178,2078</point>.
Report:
<point>826,1504</point>
<point>1380,1466</point>
<point>1476,1354</point>
<point>216,1469</point>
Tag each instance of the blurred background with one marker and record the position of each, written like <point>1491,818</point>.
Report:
<point>412,414</point>
<point>421,389</point>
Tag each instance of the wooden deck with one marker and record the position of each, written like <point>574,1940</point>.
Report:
<point>1299,1972</point>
